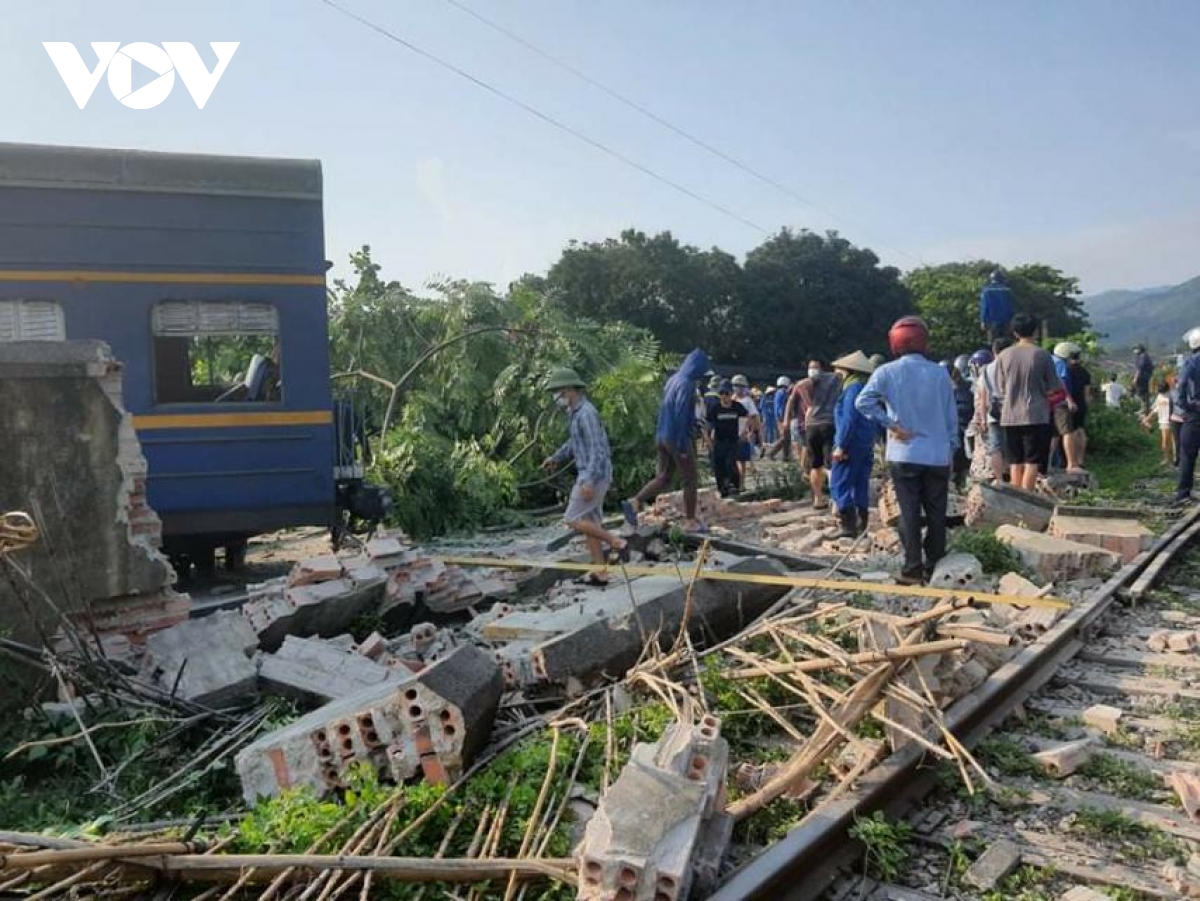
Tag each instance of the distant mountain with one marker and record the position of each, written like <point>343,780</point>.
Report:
<point>1157,317</point>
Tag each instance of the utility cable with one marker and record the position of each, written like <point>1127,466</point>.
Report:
<point>656,118</point>
<point>548,119</point>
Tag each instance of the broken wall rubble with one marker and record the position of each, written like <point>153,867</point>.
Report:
<point>72,459</point>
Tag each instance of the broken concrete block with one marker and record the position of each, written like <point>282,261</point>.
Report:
<point>206,661</point>
<point>315,671</point>
<point>999,504</point>
<point>1000,859</point>
<point>1187,787</point>
<point>1103,717</point>
<point>611,629</point>
<point>1158,640</point>
<point>314,570</point>
<point>1056,558</point>
<point>373,646</point>
<point>661,825</point>
<point>383,547</point>
<point>325,609</point>
<point>1125,537</point>
<point>1063,760</point>
<point>431,723</point>
<point>1181,642</point>
<point>1083,893</point>
<point>957,571</point>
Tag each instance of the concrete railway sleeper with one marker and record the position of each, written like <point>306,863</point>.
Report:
<point>1093,738</point>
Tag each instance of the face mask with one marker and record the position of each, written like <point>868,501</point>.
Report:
<point>813,373</point>
<point>561,400</point>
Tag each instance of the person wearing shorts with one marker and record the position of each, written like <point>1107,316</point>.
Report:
<point>1026,381</point>
<point>587,445</point>
<point>820,393</point>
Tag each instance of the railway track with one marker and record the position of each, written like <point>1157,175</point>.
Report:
<point>1114,826</point>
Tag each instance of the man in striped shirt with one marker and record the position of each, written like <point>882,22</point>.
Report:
<point>587,445</point>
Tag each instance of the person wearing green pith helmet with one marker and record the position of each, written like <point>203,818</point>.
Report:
<point>587,445</point>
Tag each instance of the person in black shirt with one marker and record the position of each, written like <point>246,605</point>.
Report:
<point>1080,389</point>
<point>723,431</point>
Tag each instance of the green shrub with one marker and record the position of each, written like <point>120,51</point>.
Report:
<point>994,555</point>
<point>1120,451</point>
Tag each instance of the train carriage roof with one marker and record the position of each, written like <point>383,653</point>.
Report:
<point>94,168</point>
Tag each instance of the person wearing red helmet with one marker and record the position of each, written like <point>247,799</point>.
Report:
<point>913,399</point>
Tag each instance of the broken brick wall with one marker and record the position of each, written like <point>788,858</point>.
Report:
<point>72,461</point>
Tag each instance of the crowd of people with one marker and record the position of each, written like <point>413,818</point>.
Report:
<point>1020,408</point>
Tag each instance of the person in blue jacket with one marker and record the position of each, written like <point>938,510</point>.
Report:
<point>853,448</point>
<point>996,306</point>
<point>675,441</point>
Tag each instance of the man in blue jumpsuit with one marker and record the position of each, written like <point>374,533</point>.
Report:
<point>996,306</point>
<point>853,448</point>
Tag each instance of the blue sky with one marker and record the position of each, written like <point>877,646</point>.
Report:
<point>1064,132</point>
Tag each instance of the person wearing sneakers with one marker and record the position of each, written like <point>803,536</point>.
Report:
<point>913,399</point>
<point>749,426</point>
<point>587,445</point>
<point>853,448</point>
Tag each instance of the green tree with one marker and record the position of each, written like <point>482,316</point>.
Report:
<point>685,296</point>
<point>947,296</point>
<point>818,295</point>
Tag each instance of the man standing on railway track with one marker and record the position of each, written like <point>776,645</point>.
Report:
<point>1189,410</point>
<point>587,445</point>
<point>1027,383</point>
<point>913,399</point>
<point>675,441</point>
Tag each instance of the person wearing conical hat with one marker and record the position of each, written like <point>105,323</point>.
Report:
<point>853,448</point>
<point>587,445</point>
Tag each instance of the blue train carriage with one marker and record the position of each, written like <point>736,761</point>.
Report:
<point>206,276</point>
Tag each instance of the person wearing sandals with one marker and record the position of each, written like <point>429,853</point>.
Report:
<point>587,445</point>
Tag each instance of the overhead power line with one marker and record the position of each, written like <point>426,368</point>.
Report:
<point>655,117</point>
<point>545,117</point>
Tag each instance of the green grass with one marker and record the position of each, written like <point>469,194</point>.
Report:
<point>1027,884</point>
<point>1123,778</point>
<point>1007,756</point>
<point>1133,841</point>
<point>994,555</point>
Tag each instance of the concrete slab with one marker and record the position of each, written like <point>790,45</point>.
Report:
<point>206,661</point>
<point>315,672</point>
<point>1122,536</point>
<point>1057,559</point>
<point>999,505</point>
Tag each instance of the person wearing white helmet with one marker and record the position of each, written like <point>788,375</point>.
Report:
<point>1189,412</point>
<point>749,426</point>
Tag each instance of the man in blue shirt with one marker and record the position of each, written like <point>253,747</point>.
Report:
<point>675,442</point>
<point>913,399</point>
<point>587,445</point>
<point>1189,409</point>
<point>996,306</point>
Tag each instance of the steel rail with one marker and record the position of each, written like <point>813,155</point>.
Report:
<point>802,865</point>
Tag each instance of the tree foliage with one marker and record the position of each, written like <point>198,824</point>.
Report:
<point>947,296</point>
<point>473,422</point>
<point>798,294</point>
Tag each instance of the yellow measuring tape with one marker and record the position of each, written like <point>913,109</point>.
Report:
<point>714,575</point>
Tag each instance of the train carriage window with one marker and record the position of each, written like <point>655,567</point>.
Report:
<point>31,320</point>
<point>216,352</point>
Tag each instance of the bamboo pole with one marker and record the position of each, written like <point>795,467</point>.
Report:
<point>850,660</point>
<point>712,575</point>
<point>30,859</point>
<point>202,868</point>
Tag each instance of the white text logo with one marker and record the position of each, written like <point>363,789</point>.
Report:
<point>164,62</point>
